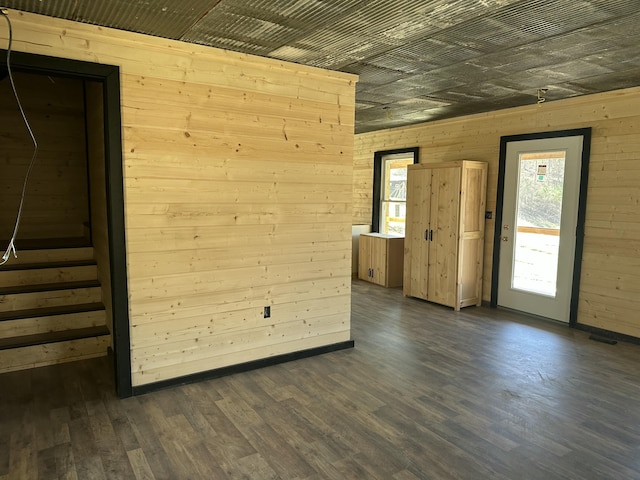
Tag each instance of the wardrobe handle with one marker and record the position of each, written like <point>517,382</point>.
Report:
<point>426,235</point>
<point>430,235</point>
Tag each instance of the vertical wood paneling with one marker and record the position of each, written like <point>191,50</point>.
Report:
<point>56,204</point>
<point>610,285</point>
<point>238,195</point>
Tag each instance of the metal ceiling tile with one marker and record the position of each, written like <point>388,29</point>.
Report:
<point>485,34</point>
<point>397,21</point>
<point>60,9</point>
<point>439,53</point>
<point>518,60</point>
<point>467,73</point>
<point>162,18</point>
<point>564,90</point>
<point>536,17</point>
<point>226,29</point>
<point>422,103</point>
<point>360,105</point>
<point>477,55</point>
<point>407,30</point>
<point>445,14</point>
<point>571,71</point>
<point>295,54</point>
<point>300,14</point>
<point>614,81</point>
<point>394,60</point>
<point>574,45</point>
<point>384,95</point>
<point>617,7</point>
<point>459,95</point>
<point>622,28</point>
<point>428,83</point>
<point>491,90</point>
<point>372,74</point>
<point>582,13</point>
<point>332,61</point>
<point>571,87</point>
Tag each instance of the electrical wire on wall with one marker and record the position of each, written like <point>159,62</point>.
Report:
<point>11,248</point>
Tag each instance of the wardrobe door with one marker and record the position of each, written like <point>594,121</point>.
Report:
<point>416,251</point>
<point>443,247</point>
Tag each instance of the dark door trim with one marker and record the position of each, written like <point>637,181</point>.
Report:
<point>377,179</point>
<point>582,209</point>
<point>109,76</point>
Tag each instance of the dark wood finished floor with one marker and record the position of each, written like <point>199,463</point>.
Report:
<point>427,393</point>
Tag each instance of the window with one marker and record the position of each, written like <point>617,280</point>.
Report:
<point>390,190</point>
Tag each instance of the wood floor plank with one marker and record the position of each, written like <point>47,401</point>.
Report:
<point>140,465</point>
<point>427,393</point>
<point>253,467</point>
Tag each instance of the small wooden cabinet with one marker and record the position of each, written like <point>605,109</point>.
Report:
<point>444,238</point>
<point>380,259</point>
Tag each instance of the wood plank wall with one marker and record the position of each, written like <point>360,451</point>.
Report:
<point>238,195</point>
<point>98,192</point>
<point>610,284</point>
<point>56,204</point>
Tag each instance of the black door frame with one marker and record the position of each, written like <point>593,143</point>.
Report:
<point>109,77</point>
<point>582,209</point>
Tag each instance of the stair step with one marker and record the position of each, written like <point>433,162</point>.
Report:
<point>49,295</point>
<point>47,287</point>
<point>49,273</point>
<point>50,255</point>
<point>52,323</point>
<point>47,265</point>
<point>47,243</point>
<point>52,337</point>
<point>22,358</point>
<point>50,311</point>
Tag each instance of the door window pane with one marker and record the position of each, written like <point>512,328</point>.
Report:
<point>537,229</point>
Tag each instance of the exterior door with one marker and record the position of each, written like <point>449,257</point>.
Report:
<point>538,227</point>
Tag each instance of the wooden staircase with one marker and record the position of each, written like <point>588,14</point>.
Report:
<point>51,308</point>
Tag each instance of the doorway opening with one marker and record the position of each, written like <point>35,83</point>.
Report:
<point>539,233</point>
<point>71,241</point>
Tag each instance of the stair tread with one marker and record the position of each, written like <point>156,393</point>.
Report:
<point>45,287</point>
<point>53,337</point>
<point>43,265</point>
<point>49,243</point>
<point>49,311</point>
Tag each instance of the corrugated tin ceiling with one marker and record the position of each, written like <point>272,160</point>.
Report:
<point>418,60</point>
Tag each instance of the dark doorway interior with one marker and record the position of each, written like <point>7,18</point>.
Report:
<point>74,199</point>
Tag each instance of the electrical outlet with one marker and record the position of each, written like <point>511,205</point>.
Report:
<point>267,312</point>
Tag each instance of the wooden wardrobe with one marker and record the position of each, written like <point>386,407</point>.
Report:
<point>444,239</point>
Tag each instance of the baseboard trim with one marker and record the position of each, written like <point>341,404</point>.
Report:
<point>607,333</point>
<point>242,367</point>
